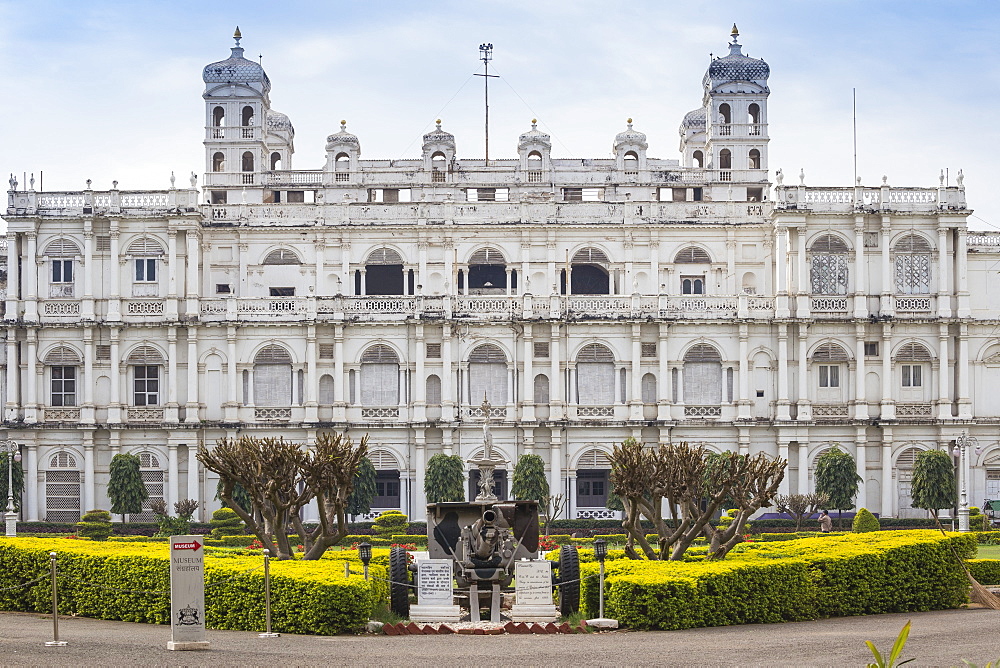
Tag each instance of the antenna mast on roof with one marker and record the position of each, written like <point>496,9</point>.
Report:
<point>486,55</point>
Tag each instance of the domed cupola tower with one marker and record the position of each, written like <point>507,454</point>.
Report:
<point>630,151</point>
<point>439,153</point>
<point>243,135</point>
<point>534,148</point>
<point>735,104</point>
<point>343,150</point>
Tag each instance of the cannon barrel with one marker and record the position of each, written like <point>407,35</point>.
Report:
<point>486,534</point>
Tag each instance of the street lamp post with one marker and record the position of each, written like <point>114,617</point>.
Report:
<point>13,453</point>
<point>961,452</point>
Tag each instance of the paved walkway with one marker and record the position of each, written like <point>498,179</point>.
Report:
<point>941,638</point>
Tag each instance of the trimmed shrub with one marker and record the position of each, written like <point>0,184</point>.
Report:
<point>864,522</point>
<point>95,524</point>
<point>312,597</point>
<point>986,571</point>
<point>390,522</point>
<point>225,522</point>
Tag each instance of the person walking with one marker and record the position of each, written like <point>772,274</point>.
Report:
<point>825,522</point>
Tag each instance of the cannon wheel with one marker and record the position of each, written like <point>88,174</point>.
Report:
<point>399,574</point>
<point>569,579</point>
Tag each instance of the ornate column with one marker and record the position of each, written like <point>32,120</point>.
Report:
<point>232,406</point>
<point>114,290</point>
<point>171,413</point>
<point>191,283</point>
<point>115,407</point>
<point>11,411</point>
<point>635,401</point>
<point>961,257</point>
<point>319,245</point>
<point>860,396</point>
<point>804,404</point>
<point>731,279</point>
<point>31,481</point>
<point>528,382</point>
<point>194,371</point>
<point>783,486</point>
<point>193,479</point>
<point>783,404</point>
<point>963,368</point>
<point>944,400</point>
<point>943,272</point>
<point>860,269</point>
<point>419,470</point>
<point>30,274</point>
<point>89,489</point>
<point>243,289</point>
<point>654,267</point>
<point>803,462</point>
<point>347,280</point>
<point>556,458</point>
<point>420,382</point>
<point>171,305</point>
<point>804,289</point>
<point>87,306</point>
<point>31,380</point>
<point>339,395</point>
<point>88,381</point>
<point>887,489</point>
<point>173,488</point>
<point>861,463</point>
<point>557,400</point>
<point>781,272</point>
<point>13,309</point>
<point>312,380</point>
<point>663,383</point>
<point>886,306</point>
<point>743,399</point>
<point>448,390</point>
<point>888,382</point>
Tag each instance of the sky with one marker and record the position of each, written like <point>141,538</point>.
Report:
<point>112,90</point>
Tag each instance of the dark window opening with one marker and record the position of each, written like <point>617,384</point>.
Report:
<point>487,277</point>
<point>725,159</point>
<point>697,194</point>
<point>386,490</point>
<point>275,160</point>
<point>410,282</point>
<point>63,386</point>
<point>147,385</point>
<point>384,279</point>
<point>755,194</point>
<point>692,285</point>
<point>699,159</point>
<point>589,279</point>
<point>296,196</point>
<point>592,488</point>
<point>223,289</point>
<point>282,292</point>
<point>218,162</point>
<point>499,484</point>
<point>219,196</point>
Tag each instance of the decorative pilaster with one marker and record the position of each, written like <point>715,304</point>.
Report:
<point>191,408</point>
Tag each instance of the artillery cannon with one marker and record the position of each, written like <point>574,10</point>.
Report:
<point>484,539</point>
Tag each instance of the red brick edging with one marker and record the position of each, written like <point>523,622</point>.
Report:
<point>414,629</point>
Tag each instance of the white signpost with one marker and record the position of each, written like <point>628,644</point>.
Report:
<point>187,594</point>
<point>435,598</point>
<point>533,592</point>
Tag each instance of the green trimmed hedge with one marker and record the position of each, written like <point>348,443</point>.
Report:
<point>312,597</point>
<point>986,571</point>
<point>810,578</point>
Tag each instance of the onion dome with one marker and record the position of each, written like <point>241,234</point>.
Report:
<point>694,121</point>
<point>736,67</point>
<point>533,137</point>
<point>439,136</point>
<point>236,69</point>
<point>630,137</point>
<point>277,121</point>
<point>342,138</point>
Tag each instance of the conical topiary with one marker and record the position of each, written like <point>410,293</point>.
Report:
<point>864,522</point>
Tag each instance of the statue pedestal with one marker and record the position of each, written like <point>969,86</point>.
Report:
<point>534,613</point>
<point>435,613</point>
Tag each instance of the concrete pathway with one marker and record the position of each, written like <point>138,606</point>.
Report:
<point>941,638</point>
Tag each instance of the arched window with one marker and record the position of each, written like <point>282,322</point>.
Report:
<point>384,273</point>
<point>146,254</point>
<point>433,390</point>
<point>590,274</point>
<point>830,359</point>
<point>913,265</point>
<point>753,113</point>
<point>595,375</point>
<point>488,375</point>
<point>725,159</point>
<point>438,166</point>
<point>692,255</point>
<point>753,159</point>
<point>272,377</point>
<point>61,254</point>
<point>828,271</point>
<point>726,113</point>
<point>905,463</point>
<point>218,162</point>
<point>247,161</point>
<point>535,161</point>
<point>282,256</point>
<point>541,389</point>
<point>153,480</point>
<point>342,163</point>
<point>593,473</point>
<point>387,494</point>
<point>145,362</point>
<point>62,363</point>
<point>648,388</point>
<point>631,162</point>
<point>218,117</point>
<point>326,385</point>
<point>275,160</point>
<point>247,116</point>
<point>62,489</point>
<point>749,283</point>
<point>699,159</point>
<point>702,376</point>
<point>913,359</point>
<point>379,377</point>
<point>487,271</point>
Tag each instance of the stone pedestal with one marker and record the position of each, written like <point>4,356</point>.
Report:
<point>603,623</point>
<point>11,521</point>
<point>435,596</point>
<point>435,613</point>
<point>533,592</point>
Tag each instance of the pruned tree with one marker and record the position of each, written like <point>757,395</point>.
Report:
<point>800,506</point>
<point>933,484</point>
<point>693,487</point>
<point>240,496</point>
<point>837,476</point>
<point>444,479</point>
<point>551,507</point>
<point>529,483</point>
<point>281,478</point>
<point>125,487</point>
<point>360,500</point>
<point>18,475</point>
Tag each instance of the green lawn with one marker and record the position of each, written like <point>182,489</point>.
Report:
<point>989,552</point>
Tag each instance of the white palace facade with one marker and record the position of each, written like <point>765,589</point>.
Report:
<point>589,300</point>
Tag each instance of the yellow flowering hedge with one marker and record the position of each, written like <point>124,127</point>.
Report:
<point>306,596</point>
<point>810,578</point>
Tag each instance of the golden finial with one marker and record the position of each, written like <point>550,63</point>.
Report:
<point>629,121</point>
<point>735,32</point>
<point>534,120</point>
<point>237,36</point>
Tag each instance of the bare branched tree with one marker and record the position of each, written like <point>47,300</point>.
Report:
<point>281,478</point>
<point>800,506</point>
<point>551,508</point>
<point>693,487</point>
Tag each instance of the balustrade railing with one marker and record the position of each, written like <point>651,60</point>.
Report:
<point>703,411</point>
<point>380,413</point>
<point>912,304</point>
<point>144,307</point>
<point>496,412</point>
<point>61,414</point>
<point>272,414</point>
<point>595,411</point>
<point>905,410</point>
<point>61,308</point>
<point>830,410</point>
<point>144,414</point>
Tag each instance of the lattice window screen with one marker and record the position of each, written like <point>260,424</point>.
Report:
<point>487,256</point>
<point>913,352</point>
<point>541,349</point>
<point>62,460</point>
<point>433,351</point>
<point>102,244</point>
<point>144,247</point>
<point>913,274</point>
<point>379,384</point>
<point>590,256</point>
<point>282,256</point>
<point>62,495</point>
<point>383,460</point>
<point>828,274</point>
<point>384,256</point>
<point>594,459</point>
<point>830,352</point>
<point>62,355</point>
<point>595,383</point>
<point>102,352</point>
<point>62,248</point>
<point>647,350</point>
<point>379,354</point>
<point>489,379</point>
<point>702,383</point>
<point>272,385</point>
<point>692,255</point>
<point>145,355</point>
<point>326,351</point>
